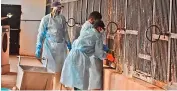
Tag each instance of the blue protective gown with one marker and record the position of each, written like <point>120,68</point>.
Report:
<point>52,35</point>
<point>96,67</point>
<point>75,72</point>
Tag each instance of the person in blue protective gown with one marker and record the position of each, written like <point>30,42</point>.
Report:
<point>96,68</point>
<point>75,72</point>
<point>52,41</point>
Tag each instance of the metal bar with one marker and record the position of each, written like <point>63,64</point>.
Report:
<point>133,32</point>
<point>14,29</point>
<point>30,20</point>
<point>139,25</point>
<point>169,44</point>
<point>66,1</point>
<point>153,63</point>
<point>144,56</point>
<point>124,61</point>
<point>100,6</point>
<point>86,11</point>
<point>68,11</point>
<point>162,37</point>
<point>93,5</point>
<point>78,25</point>
<point>31,57</point>
<point>110,36</point>
<point>81,10</point>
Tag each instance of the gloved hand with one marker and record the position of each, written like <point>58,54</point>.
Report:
<point>105,48</point>
<point>110,57</point>
<point>38,52</point>
<point>69,45</point>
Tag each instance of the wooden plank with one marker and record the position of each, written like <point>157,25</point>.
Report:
<point>173,35</point>
<point>162,37</point>
<point>144,56</point>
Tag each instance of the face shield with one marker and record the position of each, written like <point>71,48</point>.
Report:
<point>56,8</point>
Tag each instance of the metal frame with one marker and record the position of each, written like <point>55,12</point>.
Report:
<point>66,1</point>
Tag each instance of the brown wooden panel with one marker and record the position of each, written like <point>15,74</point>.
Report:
<point>145,21</point>
<point>174,60</point>
<point>132,14</point>
<point>161,51</point>
<point>174,16</point>
<point>161,47</point>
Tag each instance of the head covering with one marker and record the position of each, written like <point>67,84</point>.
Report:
<point>56,4</point>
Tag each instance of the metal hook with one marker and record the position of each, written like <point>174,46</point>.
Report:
<point>158,36</point>
<point>109,25</point>
<point>73,24</point>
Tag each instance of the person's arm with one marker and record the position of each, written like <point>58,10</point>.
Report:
<point>99,52</point>
<point>41,36</point>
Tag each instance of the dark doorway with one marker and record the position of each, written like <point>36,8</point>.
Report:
<point>14,23</point>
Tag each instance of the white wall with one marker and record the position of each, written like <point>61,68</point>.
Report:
<point>31,10</point>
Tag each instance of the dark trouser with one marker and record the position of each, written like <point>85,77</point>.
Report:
<point>76,89</point>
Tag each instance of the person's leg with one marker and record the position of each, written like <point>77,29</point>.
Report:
<point>56,82</point>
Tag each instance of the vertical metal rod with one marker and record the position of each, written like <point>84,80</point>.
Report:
<point>81,10</point>
<point>86,11</point>
<point>153,63</point>
<point>116,11</point>
<point>68,10</point>
<point>125,38</point>
<point>169,44</point>
<point>139,31</point>
<point>100,6</point>
<point>93,5</point>
<point>77,19</point>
